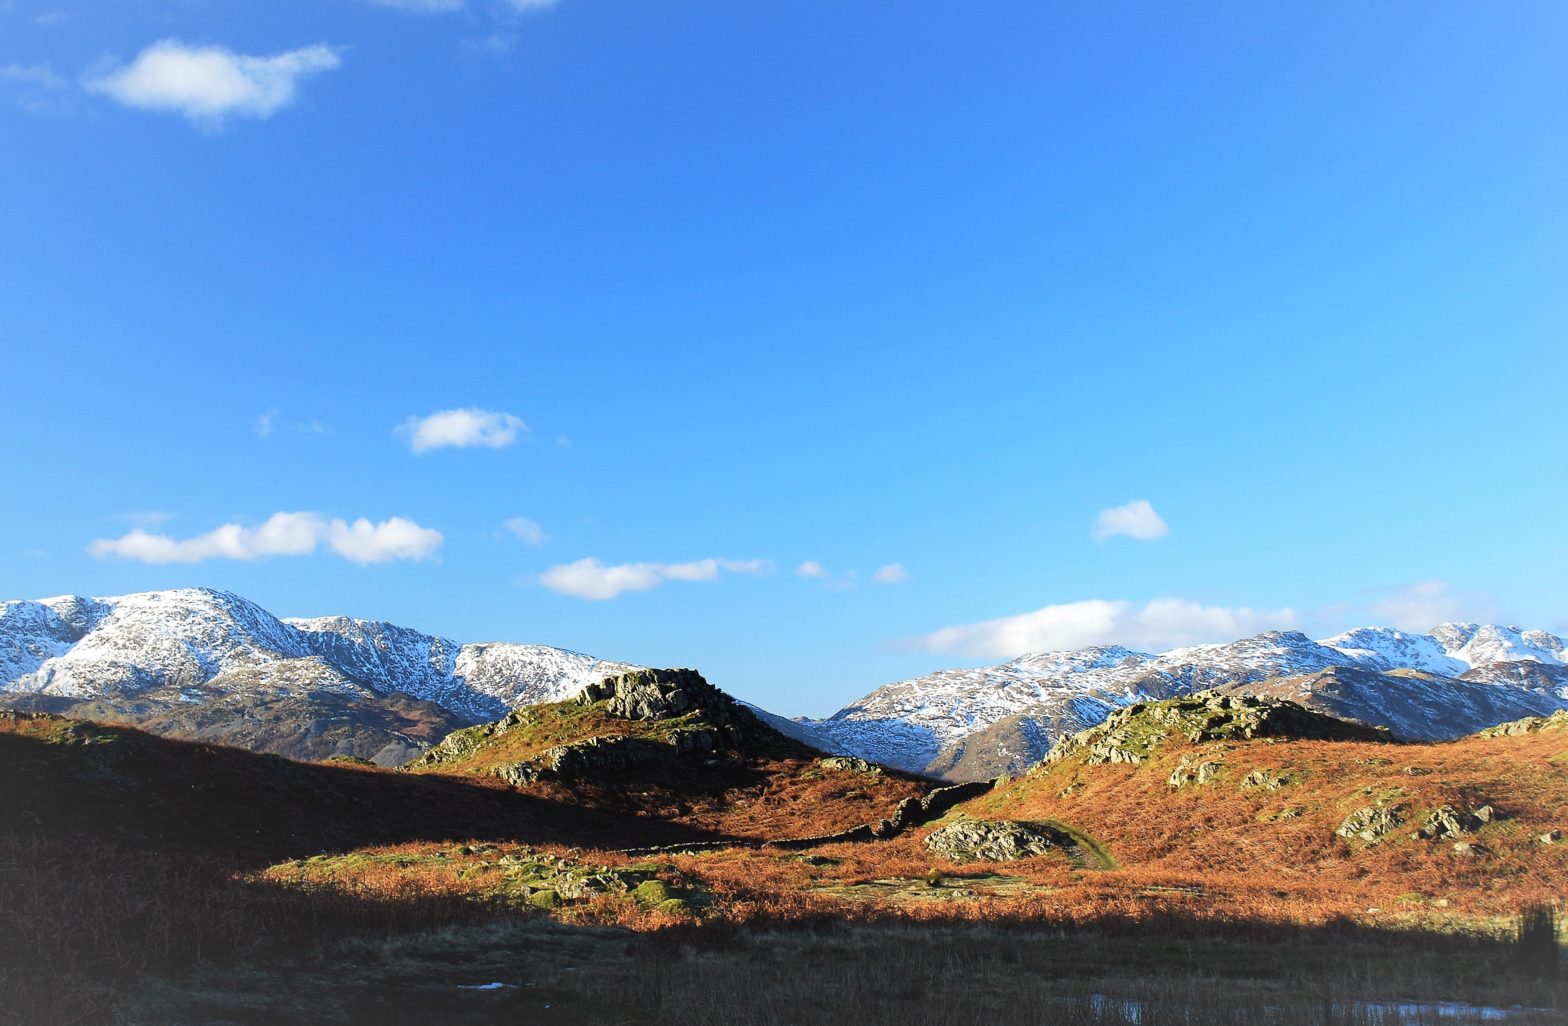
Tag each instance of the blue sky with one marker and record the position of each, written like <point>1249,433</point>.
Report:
<point>726,289</point>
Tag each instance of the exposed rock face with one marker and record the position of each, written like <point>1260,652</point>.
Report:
<point>971,723</point>
<point>848,764</point>
<point>1265,780</point>
<point>211,666</point>
<point>1447,821</point>
<point>1372,823</point>
<point>1194,771</point>
<point>462,743</point>
<point>656,695</point>
<point>700,720</point>
<point>1132,734</point>
<point>988,840</point>
<point>1529,725</point>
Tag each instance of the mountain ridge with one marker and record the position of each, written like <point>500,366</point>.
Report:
<point>211,665</point>
<point>158,657</point>
<point>964,723</point>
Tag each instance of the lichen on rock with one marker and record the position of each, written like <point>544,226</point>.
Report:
<point>988,840</point>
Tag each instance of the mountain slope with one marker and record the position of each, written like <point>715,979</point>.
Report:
<point>667,745</point>
<point>207,664</point>
<point>969,724</point>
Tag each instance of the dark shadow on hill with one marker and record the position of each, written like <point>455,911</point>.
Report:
<point>248,810</point>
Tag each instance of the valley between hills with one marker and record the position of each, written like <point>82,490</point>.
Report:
<point>650,850</point>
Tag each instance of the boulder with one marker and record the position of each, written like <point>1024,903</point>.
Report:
<point>1265,780</point>
<point>1529,725</point>
<point>848,764</point>
<point>1193,771</point>
<point>988,840</point>
<point>518,774</point>
<point>657,695</point>
<point>1447,821</point>
<point>1372,823</point>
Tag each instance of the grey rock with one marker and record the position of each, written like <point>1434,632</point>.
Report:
<point>1194,771</point>
<point>518,774</point>
<point>1130,735</point>
<point>1447,821</point>
<point>848,764</point>
<point>1372,823</point>
<point>1265,780</point>
<point>988,840</point>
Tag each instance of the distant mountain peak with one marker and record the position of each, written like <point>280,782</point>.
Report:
<point>1469,676</point>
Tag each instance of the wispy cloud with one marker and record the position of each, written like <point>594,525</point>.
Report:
<point>266,424</point>
<point>591,579</point>
<point>892,573</point>
<point>1137,519</point>
<point>461,428</point>
<point>1161,624</point>
<point>1420,607</point>
<point>526,529</point>
<point>282,534</point>
<point>208,84</point>
<point>420,6</point>
<point>34,87</point>
<point>810,568</point>
<point>147,517</point>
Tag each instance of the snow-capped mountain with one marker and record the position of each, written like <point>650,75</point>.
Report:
<point>139,657</point>
<point>970,722</point>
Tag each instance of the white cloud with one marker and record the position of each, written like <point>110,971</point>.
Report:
<point>1137,519</point>
<point>392,539</point>
<point>528,530</point>
<point>810,568</point>
<point>210,83</point>
<point>893,573</point>
<point>1159,625</point>
<point>282,534</point>
<point>265,423</point>
<point>591,579</point>
<point>1420,607</point>
<point>461,428</point>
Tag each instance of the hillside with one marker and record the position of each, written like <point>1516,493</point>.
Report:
<point>652,802</point>
<point>970,724</point>
<point>668,744</point>
<point>1262,803</point>
<point>212,666</point>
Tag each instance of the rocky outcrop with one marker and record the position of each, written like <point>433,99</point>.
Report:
<point>663,695</point>
<point>1265,780</point>
<point>1194,771</point>
<point>1372,823</point>
<point>911,812</point>
<point>1447,821</point>
<point>1132,735</point>
<point>1529,725</point>
<point>685,717</point>
<point>989,840</point>
<point>848,764</point>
